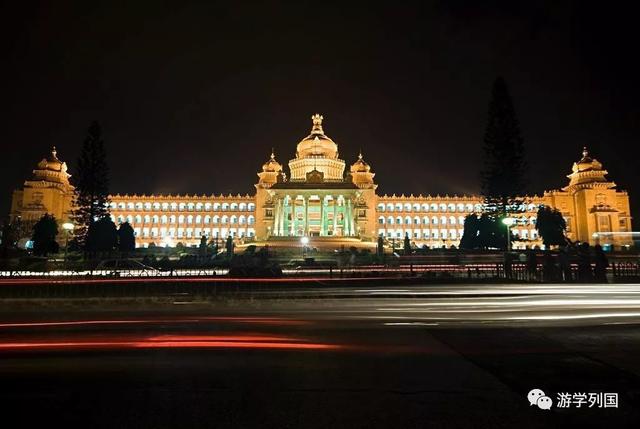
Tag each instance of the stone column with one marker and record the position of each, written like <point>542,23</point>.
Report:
<point>335,214</point>
<point>323,230</point>
<point>353,220</point>
<point>292,223</point>
<point>274,229</point>
<point>306,215</point>
<point>347,217</point>
<point>282,215</point>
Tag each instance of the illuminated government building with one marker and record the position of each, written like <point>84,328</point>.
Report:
<point>330,206</point>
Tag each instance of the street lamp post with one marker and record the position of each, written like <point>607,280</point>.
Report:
<point>508,221</point>
<point>68,227</point>
<point>304,241</point>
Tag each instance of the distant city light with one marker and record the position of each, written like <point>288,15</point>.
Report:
<point>67,226</point>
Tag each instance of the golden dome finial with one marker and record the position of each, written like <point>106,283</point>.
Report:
<point>273,155</point>
<point>53,151</point>
<point>585,152</point>
<point>360,154</point>
<point>317,124</point>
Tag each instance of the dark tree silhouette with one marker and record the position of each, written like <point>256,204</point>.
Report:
<point>9,237</point>
<point>102,236</point>
<point>503,174</point>
<point>202,248</point>
<point>126,238</point>
<point>484,232</point>
<point>469,238</point>
<point>551,226</point>
<point>44,236</point>
<point>92,184</point>
<point>380,246</point>
<point>407,245</point>
<point>229,246</point>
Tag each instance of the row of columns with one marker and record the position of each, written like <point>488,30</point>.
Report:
<point>280,214</point>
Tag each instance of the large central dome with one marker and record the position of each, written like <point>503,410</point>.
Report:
<point>317,144</point>
<point>317,153</point>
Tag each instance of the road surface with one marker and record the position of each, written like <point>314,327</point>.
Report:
<point>413,357</point>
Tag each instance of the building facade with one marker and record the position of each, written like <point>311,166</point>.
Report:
<point>331,204</point>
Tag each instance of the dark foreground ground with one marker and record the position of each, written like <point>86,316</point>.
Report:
<point>445,357</point>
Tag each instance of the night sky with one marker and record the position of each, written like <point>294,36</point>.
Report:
<point>192,97</point>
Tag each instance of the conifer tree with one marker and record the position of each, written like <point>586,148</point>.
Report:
<point>503,175</point>
<point>92,184</point>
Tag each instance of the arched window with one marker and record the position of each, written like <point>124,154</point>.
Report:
<point>469,207</point>
<point>390,220</point>
<point>138,219</point>
<point>242,207</point>
<point>460,220</point>
<point>216,207</point>
<point>425,207</point>
<point>147,219</point>
<point>190,206</point>
<point>156,206</point>
<point>199,207</point>
<point>198,219</point>
<point>225,207</point>
<point>182,207</point>
<point>452,220</point>
<point>416,207</point>
<point>207,207</point>
<point>251,207</point>
<point>233,207</point>
<point>172,219</point>
<point>399,220</point>
<point>407,220</point>
<point>460,207</point>
<point>130,206</point>
<point>233,220</point>
<point>407,207</point>
<point>389,207</point>
<point>190,219</point>
<point>434,220</point>
<point>381,220</point>
<point>130,219</point>
<point>425,220</point>
<point>163,219</point>
<point>443,207</point>
<point>225,219</point>
<point>165,207</point>
<point>380,207</point>
<point>207,219</point>
<point>399,207</point>
<point>242,220</point>
<point>181,219</point>
<point>416,220</point>
<point>251,220</point>
<point>216,219</point>
<point>434,207</point>
<point>443,220</point>
<point>154,219</point>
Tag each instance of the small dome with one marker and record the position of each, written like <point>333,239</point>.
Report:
<point>360,166</point>
<point>586,163</point>
<point>317,144</point>
<point>272,165</point>
<point>52,162</point>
